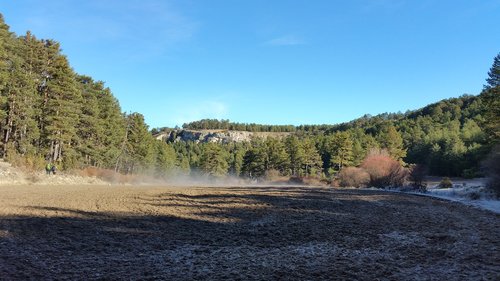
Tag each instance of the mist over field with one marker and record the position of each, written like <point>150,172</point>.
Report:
<point>279,140</point>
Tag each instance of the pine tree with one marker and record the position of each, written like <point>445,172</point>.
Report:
<point>5,37</point>
<point>341,150</point>
<point>296,153</point>
<point>493,79</point>
<point>90,128</point>
<point>312,160</point>
<point>254,162</point>
<point>19,127</point>
<point>113,131</point>
<point>277,157</point>
<point>61,107</point>
<point>140,146</point>
<point>391,139</point>
<point>237,152</point>
<point>491,113</point>
<point>165,159</point>
<point>214,160</point>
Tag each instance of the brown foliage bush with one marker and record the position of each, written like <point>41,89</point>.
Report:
<point>313,181</point>
<point>383,170</point>
<point>107,175</point>
<point>275,176</point>
<point>354,177</point>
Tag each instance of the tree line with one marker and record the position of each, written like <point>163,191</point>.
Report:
<point>449,138</point>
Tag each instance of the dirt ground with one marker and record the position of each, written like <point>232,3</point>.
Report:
<point>241,233</point>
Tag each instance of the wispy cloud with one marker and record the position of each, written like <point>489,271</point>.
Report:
<point>149,27</point>
<point>201,110</point>
<point>287,40</point>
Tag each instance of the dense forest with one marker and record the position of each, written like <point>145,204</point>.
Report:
<point>50,113</point>
<point>448,138</point>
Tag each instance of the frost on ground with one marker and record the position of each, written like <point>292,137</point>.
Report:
<point>241,233</point>
<point>471,192</point>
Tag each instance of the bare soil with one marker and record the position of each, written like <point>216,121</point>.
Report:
<point>241,233</point>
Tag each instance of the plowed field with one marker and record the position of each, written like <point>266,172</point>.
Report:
<point>241,233</point>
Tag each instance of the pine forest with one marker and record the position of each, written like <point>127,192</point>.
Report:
<point>49,113</point>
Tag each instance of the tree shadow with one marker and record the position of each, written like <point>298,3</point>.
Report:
<point>250,233</point>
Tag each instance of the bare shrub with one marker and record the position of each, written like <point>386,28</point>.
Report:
<point>108,175</point>
<point>474,195</point>
<point>354,177</point>
<point>383,170</point>
<point>492,167</point>
<point>445,183</point>
<point>398,176</point>
<point>275,176</point>
<point>315,181</point>
<point>417,176</point>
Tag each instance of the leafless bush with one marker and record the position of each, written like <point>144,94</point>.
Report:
<point>492,167</point>
<point>445,183</point>
<point>354,177</point>
<point>275,176</point>
<point>417,176</point>
<point>108,175</point>
<point>383,170</point>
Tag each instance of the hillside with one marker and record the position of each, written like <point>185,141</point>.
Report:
<point>50,113</point>
<point>449,137</point>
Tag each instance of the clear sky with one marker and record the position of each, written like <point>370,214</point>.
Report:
<point>271,62</point>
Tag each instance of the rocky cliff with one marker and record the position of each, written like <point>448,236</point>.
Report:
<point>219,136</point>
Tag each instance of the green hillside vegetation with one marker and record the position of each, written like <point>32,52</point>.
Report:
<point>49,113</point>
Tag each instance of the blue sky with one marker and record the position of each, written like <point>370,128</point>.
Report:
<point>271,62</point>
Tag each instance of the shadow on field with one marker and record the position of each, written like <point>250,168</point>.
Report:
<point>253,233</point>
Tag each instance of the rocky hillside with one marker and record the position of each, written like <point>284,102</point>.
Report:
<point>218,136</point>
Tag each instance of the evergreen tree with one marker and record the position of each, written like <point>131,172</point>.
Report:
<point>491,112</point>
<point>237,152</point>
<point>277,157</point>
<point>213,161</point>
<point>61,106</point>
<point>114,129</point>
<point>139,147</point>
<point>493,79</point>
<point>341,150</point>
<point>296,153</point>
<point>391,139</point>
<point>254,162</point>
<point>90,127</point>
<point>19,92</point>
<point>165,159</point>
<point>312,160</point>
<point>5,37</point>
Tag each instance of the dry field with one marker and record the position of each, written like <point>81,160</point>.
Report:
<point>241,233</point>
